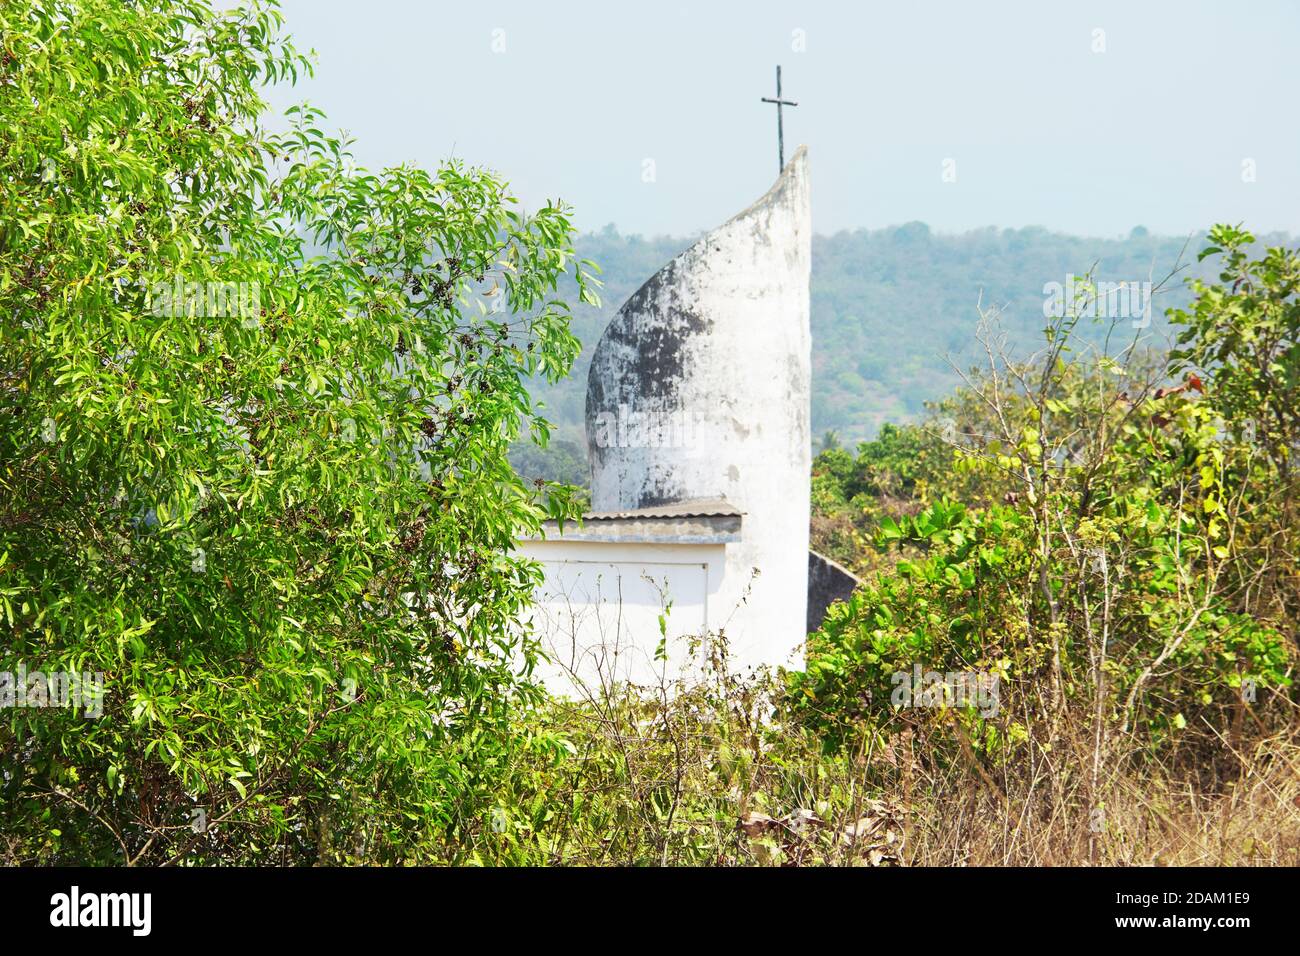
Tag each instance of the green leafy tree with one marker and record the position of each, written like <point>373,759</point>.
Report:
<point>1103,592</point>
<point>257,405</point>
<point>1243,334</point>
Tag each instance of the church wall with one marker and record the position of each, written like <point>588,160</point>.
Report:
<point>700,388</point>
<point>597,611</point>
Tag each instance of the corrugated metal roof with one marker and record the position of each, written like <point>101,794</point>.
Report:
<point>694,508</point>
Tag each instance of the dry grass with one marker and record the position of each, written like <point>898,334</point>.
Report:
<point>1208,804</point>
<point>715,774</point>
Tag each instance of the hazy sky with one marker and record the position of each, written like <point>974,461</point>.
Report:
<point>571,99</point>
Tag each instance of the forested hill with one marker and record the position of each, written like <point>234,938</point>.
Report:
<point>890,308</point>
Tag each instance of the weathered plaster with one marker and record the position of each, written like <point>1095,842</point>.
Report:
<point>720,335</point>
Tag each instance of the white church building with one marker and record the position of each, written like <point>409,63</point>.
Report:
<point>698,435</point>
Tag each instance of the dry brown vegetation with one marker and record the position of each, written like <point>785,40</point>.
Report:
<point>718,773</point>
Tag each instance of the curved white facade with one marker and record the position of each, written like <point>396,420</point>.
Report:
<point>699,389</point>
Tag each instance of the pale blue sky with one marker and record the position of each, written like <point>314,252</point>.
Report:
<point>1043,130</point>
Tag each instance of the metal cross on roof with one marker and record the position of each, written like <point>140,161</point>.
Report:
<point>780,126</point>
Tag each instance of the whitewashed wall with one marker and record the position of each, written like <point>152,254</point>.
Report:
<point>597,613</point>
<point>699,388</point>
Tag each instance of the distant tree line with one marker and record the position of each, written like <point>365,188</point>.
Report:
<point>892,314</point>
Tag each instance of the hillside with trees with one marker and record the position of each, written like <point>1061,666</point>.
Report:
<point>892,315</point>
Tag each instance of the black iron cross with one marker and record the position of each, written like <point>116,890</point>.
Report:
<point>780,127</point>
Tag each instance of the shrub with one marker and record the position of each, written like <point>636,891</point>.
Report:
<point>280,527</point>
